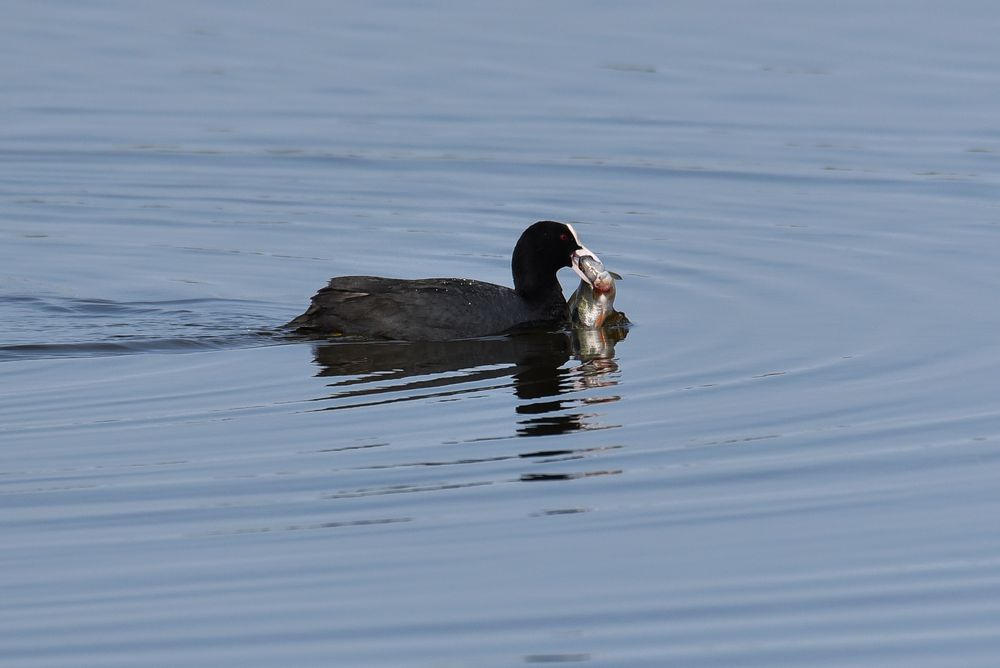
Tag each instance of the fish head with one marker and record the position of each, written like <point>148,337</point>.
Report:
<point>586,265</point>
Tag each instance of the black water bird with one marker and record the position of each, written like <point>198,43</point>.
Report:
<point>435,309</point>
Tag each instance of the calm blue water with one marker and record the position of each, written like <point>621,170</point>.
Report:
<point>791,460</point>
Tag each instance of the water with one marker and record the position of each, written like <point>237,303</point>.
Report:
<point>790,460</point>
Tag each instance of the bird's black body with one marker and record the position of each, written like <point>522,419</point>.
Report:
<point>433,309</point>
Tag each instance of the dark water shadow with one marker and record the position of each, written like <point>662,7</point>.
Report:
<point>535,365</point>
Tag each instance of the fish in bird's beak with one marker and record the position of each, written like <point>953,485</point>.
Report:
<point>575,259</point>
<point>592,306</point>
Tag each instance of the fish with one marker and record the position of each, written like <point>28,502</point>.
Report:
<point>592,306</point>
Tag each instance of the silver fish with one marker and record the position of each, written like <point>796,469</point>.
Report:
<point>592,306</point>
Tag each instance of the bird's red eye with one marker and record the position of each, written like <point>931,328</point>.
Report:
<point>563,237</point>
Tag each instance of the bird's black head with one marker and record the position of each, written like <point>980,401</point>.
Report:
<point>543,249</point>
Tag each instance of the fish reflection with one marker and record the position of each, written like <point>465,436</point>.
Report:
<point>533,364</point>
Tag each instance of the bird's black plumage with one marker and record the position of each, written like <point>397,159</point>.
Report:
<point>433,309</point>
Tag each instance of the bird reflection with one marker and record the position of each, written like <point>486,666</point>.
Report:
<point>532,363</point>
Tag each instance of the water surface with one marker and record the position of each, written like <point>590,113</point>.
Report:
<point>790,460</point>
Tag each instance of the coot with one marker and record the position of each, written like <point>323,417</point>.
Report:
<point>435,309</point>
